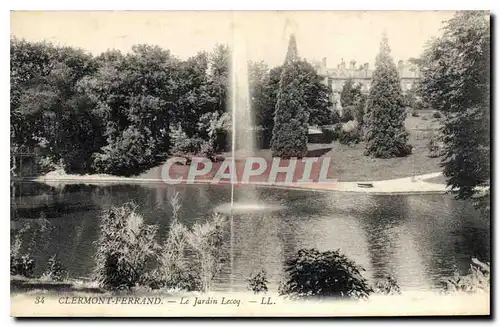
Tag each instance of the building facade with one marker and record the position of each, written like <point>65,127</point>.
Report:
<point>336,77</point>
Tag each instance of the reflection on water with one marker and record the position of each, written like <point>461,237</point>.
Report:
<point>418,239</point>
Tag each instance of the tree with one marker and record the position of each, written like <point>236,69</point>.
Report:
<point>193,98</point>
<point>353,101</point>
<point>134,96</point>
<point>292,53</point>
<point>291,119</point>
<point>260,101</point>
<point>456,81</point>
<point>46,102</point>
<point>219,77</point>
<point>386,134</point>
<point>316,96</point>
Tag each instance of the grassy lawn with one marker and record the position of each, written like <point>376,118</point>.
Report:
<point>349,163</point>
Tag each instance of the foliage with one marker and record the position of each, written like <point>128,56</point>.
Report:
<point>128,154</point>
<point>92,114</point>
<point>265,96</point>
<point>456,81</point>
<point>174,267</point>
<point>182,144</point>
<point>46,102</point>
<point>291,120</point>
<point>350,133</point>
<point>124,247</point>
<point>205,242</point>
<point>435,146</point>
<point>55,270</point>
<point>257,283</point>
<point>311,273</point>
<point>436,114</point>
<point>353,102</point>
<point>23,265</point>
<point>478,279</point>
<point>292,53</point>
<point>388,286</point>
<point>347,114</point>
<point>214,127</point>
<point>291,117</point>
<point>194,92</point>
<point>386,135</point>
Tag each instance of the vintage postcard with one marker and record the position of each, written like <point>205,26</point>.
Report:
<point>250,164</point>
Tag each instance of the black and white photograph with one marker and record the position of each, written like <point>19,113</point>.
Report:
<point>250,163</point>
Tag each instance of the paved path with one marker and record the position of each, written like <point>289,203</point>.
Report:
<point>407,185</point>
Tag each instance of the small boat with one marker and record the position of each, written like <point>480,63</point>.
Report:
<point>365,185</point>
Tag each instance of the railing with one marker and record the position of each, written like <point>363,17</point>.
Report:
<point>23,164</point>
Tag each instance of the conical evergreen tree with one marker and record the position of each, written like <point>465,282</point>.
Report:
<point>386,135</point>
<point>291,117</point>
<point>291,53</point>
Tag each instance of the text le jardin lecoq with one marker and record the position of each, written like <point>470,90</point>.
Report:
<point>124,300</point>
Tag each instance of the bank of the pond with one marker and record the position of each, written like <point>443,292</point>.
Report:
<point>407,185</point>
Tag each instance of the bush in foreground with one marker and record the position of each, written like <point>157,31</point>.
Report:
<point>206,243</point>
<point>257,283</point>
<point>55,270</point>
<point>23,265</point>
<point>124,247</point>
<point>478,279</point>
<point>387,286</point>
<point>311,273</point>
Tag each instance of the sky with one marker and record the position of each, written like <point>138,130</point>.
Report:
<point>336,35</point>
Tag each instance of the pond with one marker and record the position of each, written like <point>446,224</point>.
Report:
<point>417,239</point>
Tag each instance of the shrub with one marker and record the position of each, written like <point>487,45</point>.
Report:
<point>311,273</point>
<point>129,154</point>
<point>23,265</point>
<point>205,242</point>
<point>124,247</point>
<point>55,270</point>
<point>258,283</point>
<point>478,279</point>
<point>213,127</point>
<point>46,164</point>
<point>415,113</point>
<point>174,270</point>
<point>350,133</point>
<point>434,146</point>
<point>388,286</point>
<point>347,114</point>
<point>436,114</point>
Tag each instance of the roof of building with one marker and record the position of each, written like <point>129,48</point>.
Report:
<point>342,71</point>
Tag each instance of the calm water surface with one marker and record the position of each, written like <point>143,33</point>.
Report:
<point>418,239</point>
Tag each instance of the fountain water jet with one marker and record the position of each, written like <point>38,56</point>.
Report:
<point>243,139</point>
